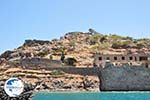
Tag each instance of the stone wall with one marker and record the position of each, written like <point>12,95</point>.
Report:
<point>46,64</point>
<point>80,71</point>
<point>125,78</point>
<point>39,63</point>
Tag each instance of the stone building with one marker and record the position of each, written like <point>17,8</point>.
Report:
<point>118,59</point>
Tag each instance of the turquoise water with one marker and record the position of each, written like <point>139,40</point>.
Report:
<point>92,96</point>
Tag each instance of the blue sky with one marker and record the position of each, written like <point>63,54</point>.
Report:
<point>48,19</point>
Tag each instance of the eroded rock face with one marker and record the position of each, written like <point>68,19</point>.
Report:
<point>124,78</point>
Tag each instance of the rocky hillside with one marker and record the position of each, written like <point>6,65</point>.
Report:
<point>75,46</point>
<point>78,45</point>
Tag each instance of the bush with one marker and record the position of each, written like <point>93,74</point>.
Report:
<point>70,61</point>
<point>115,37</point>
<point>51,57</point>
<point>116,45</point>
<point>99,46</point>
<point>140,45</point>
<point>121,44</point>
<point>103,38</point>
<point>62,57</point>
<point>92,31</point>
<point>129,38</point>
<point>57,72</point>
<point>95,38</point>
<point>72,44</point>
<point>43,54</point>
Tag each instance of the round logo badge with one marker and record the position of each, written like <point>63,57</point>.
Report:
<point>14,87</point>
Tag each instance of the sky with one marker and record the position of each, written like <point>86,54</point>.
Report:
<point>49,19</point>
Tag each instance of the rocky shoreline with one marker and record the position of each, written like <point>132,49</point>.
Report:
<point>52,81</point>
<point>26,95</point>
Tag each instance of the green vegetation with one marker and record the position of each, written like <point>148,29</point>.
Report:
<point>51,57</point>
<point>61,49</point>
<point>141,43</point>
<point>115,37</point>
<point>70,61</point>
<point>72,44</point>
<point>121,44</point>
<point>57,72</point>
<point>99,46</point>
<point>103,39</point>
<point>93,31</point>
<point>129,38</point>
<point>95,38</point>
<point>43,53</point>
<point>62,57</point>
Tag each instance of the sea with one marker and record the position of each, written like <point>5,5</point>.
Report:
<point>134,95</point>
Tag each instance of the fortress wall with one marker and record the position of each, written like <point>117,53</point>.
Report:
<point>125,78</point>
<point>39,63</point>
<point>81,71</point>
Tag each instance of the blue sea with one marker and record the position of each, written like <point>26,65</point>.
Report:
<point>92,96</point>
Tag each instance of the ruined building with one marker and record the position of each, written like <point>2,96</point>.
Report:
<point>119,59</point>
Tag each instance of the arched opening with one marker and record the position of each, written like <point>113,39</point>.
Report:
<point>107,58</point>
<point>123,58</point>
<point>115,58</point>
<point>130,58</point>
<point>100,58</point>
<point>146,65</point>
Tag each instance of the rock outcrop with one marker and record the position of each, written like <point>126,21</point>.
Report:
<point>35,42</point>
<point>124,78</point>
